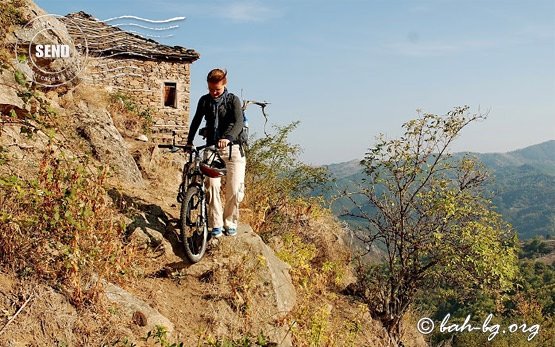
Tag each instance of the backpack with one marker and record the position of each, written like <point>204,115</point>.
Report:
<point>243,138</point>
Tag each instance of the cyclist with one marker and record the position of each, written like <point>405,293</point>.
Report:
<point>224,122</point>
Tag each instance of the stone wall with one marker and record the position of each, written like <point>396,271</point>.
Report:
<point>144,80</point>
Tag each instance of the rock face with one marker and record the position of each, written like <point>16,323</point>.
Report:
<point>42,30</point>
<point>277,272</point>
<point>277,269</point>
<point>247,273</point>
<point>136,309</point>
<point>96,126</point>
<point>8,93</point>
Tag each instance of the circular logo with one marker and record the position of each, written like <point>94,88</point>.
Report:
<point>425,326</point>
<point>55,49</point>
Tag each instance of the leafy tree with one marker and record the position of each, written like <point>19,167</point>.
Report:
<point>430,215</point>
<point>535,248</point>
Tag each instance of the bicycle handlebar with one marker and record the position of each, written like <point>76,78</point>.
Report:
<point>175,148</point>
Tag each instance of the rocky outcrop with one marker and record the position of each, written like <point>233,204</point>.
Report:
<point>277,272</point>
<point>45,29</point>
<point>9,98</point>
<point>270,296</point>
<point>136,309</point>
<point>96,126</point>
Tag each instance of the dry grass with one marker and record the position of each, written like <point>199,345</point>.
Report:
<point>49,319</point>
<point>94,96</point>
<point>309,239</point>
<point>11,14</point>
<point>61,227</point>
<point>239,291</point>
<point>129,117</point>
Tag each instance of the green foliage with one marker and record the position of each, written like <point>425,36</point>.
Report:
<point>536,248</point>
<point>538,332</point>
<point>316,276</point>
<point>530,301</point>
<point>10,15</point>
<point>430,214</point>
<point>536,284</point>
<point>277,184</point>
<point>247,341</point>
<point>522,188</point>
<point>525,195</point>
<point>20,78</point>
<point>160,337</point>
<point>274,158</point>
<point>275,177</point>
<point>298,255</point>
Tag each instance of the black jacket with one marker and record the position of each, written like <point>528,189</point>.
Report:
<point>230,119</point>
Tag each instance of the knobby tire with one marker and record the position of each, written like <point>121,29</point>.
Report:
<point>194,228</point>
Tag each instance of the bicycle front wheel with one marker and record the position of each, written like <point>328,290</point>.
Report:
<point>194,230</point>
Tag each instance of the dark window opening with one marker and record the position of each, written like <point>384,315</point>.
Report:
<point>170,94</point>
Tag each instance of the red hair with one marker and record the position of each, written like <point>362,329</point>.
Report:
<point>216,76</point>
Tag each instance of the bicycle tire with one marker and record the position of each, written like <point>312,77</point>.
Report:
<point>194,228</point>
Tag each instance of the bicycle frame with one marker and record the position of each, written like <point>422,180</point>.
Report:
<point>194,230</point>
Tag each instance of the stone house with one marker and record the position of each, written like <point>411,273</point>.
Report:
<point>155,75</point>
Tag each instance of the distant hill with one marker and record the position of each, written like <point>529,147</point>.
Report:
<point>540,156</point>
<point>522,184</point>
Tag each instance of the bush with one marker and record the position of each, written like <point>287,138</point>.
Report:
<point>61,227</point>
<point>129,117</point>
<point>10,15</point>
<point>276,181</point>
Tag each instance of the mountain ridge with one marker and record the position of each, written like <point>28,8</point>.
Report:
<point>516,157</point>
<point>522,186</point>
<point>545,148</point>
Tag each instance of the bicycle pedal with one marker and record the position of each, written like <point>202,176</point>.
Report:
<point>180,194</point>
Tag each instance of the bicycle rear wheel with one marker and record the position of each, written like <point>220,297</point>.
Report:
<point>194,230</point>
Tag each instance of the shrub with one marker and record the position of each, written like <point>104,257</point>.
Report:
<point>276,178</point>
<point>129,117</point>
<point>62,228</point>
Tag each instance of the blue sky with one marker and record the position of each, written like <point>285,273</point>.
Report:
<point>349,70</point>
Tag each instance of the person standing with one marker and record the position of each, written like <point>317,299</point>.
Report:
<point>224,123</point>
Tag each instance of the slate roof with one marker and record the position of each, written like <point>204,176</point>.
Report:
<point>104,40</point>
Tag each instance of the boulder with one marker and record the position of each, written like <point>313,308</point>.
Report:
<point>142,138</point>
<point>134,308</point>
<point>8,93</point>
<point>272,294</point>
<point>281,284</point>
<point>45,29</point>
<point>278,270</point>
<point>95,125</point>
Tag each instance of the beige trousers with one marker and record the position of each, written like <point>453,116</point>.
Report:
<point>227,215</point>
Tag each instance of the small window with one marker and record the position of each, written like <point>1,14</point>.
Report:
<point>170,94</point>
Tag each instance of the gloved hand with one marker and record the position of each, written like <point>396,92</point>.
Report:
<point>189,147</point>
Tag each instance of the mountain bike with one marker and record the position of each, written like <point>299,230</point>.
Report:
<point>192,196</point>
